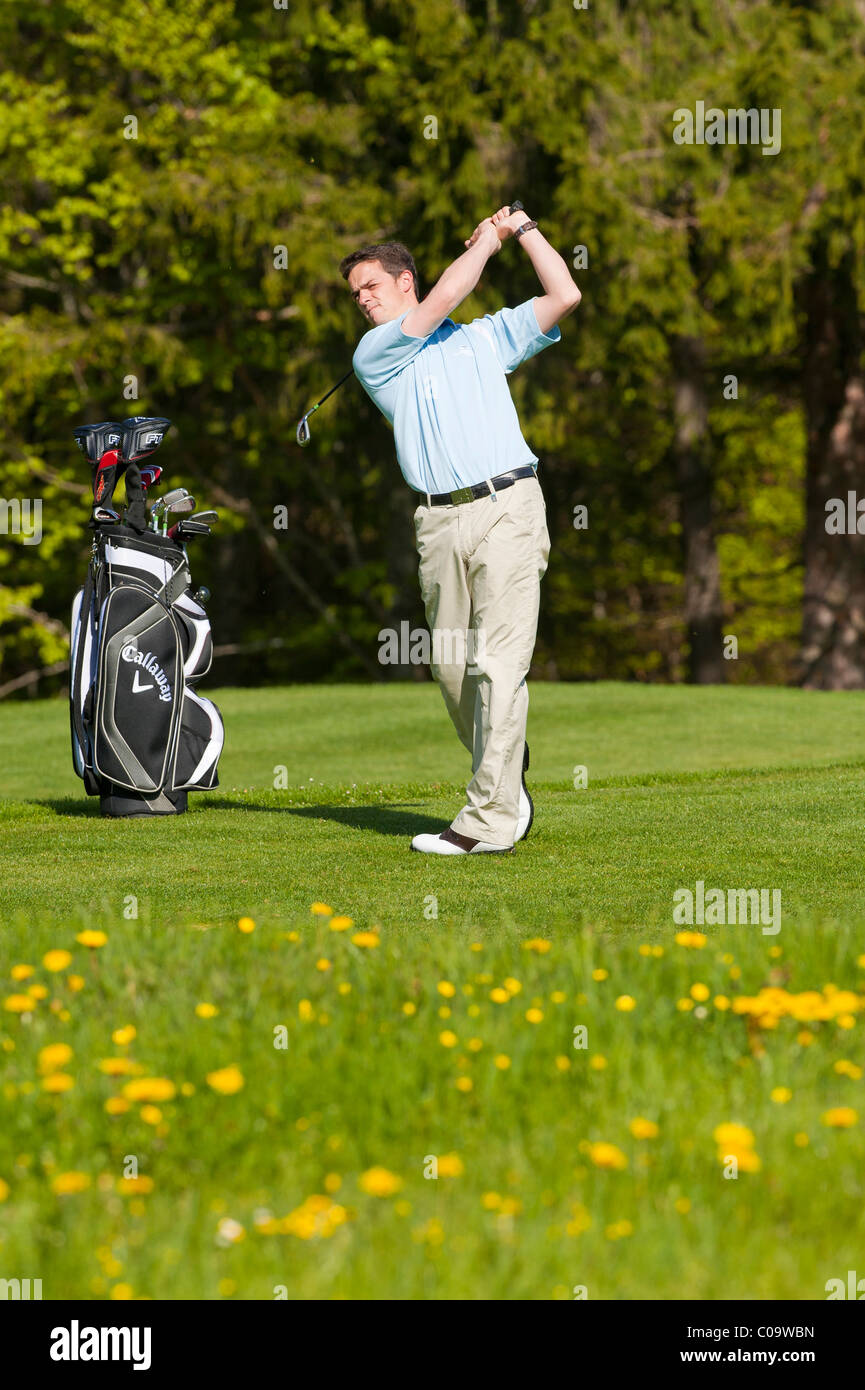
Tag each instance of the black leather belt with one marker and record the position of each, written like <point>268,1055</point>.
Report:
<point>484,489</point>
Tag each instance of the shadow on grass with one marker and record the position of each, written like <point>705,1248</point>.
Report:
<point>69,806</point>
<point>387,820</point>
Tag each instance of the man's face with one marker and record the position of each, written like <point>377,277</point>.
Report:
<point>380,296</point>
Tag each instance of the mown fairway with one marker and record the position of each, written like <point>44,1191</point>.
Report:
<point>343,1057</point>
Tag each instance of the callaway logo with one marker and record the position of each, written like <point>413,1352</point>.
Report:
<point>146,660</point>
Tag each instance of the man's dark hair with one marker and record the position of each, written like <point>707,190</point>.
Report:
<point>393,256</point>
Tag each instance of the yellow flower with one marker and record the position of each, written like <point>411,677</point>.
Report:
<point>695,939</point>
<point>619,1229</point>
<point>409,1009</point>
<point>657,952</point>
<point>18,1003</point>
<point>534,1015</point>
<point>341,923</point>
<point>580,1220</point>
<point>474,1044</point>
<point>129,1187</point>
<point>21,972</point>
<point>322,964</point>
<point>321,910</point>
<point>558,996</point>
<point>682,1205</point>
<point>332,1182</point>
<point>625,1003</point>
<point>116,1066</point>
<point>511,985</point>
<point>491,1201</point>
<point>600,974</point>
<point>511,1206</point>
<point>844,1068</point>
<point>121,1037</point>
<point>205,1010</point>
<point>804,1037</point>
<point>93,939</point>
<point>643,1129</point>
<point>66,1183</point>
<point>733,1136</point>
<point>479,946</point>
<point>379,1182</point>
<point>448,1039</point>
<point>58,1082</point>
<point>801,1140</point>
<point>538,945</point>
<point>499,995</point>
<point>37,991</point>
<point>445,988</point>
<point>116,1105</point>
<point>54,1057</point>
<point>450,1166</point>
<point>292,936</point>
<point>780,1095</point>
<point>684,1005</point>
<point>605,1155</point>
<point>365,938</point>
<point>246,925</point>
<point>150,1088</point>
<point>464,1083</point>
<point>846,1021</point>
<point>57,960</point>
<point>699,992</point>
<point>563,1063</point>
<point>842,1117</point>
<point>597,1063</point>
<point>721,1002</point>
<point>4,1190</point>
<point>745,1158</point>
<point>502,1061</point>
<point>151,1114</point>
<point>76,982</point>
<point>227,1081</point>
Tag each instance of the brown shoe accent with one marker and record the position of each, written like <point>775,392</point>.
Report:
<point>453,837</point>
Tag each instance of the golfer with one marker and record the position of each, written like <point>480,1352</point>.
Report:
<point>481,524</point>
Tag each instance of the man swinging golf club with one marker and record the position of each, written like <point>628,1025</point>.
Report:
<point>481,524</point>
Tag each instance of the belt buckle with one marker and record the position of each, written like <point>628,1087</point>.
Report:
<point>462,494</point>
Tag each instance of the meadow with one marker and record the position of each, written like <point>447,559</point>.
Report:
<point>317,1066</point>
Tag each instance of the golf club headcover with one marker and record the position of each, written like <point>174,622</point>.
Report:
<point>141,435</point>
<point>136,516</point>
<point>96,440</point>
<point>105,478</point>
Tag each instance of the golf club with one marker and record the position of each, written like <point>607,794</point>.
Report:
<point>182,506</point>
<point>303,435</point>
<point>150,474</point>
<point>207,517</point>
<point>103,514</point>
<point>184,530</point>
<point>162,502</point>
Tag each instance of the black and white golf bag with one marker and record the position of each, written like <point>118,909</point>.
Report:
<point>141,735</point>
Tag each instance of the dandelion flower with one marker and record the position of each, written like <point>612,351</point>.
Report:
<point>205,1010</point>
<point>56,960</point>
<point>321,910</point>
<point>600,975</point>
<point>409,1008</point>
<point>605,1155</point>
<point>446,989</point>
<point>246,925</point>
<point>54,1057</point>
<point>625,1003</point>
<point>643,1129</point>
<point>450,1166</point>
<point>448,1039</point>
<point>227,1081</point>
<point>534,1015</point>
<point>368,939</point>
<point>66,1183</point>
<point>93,939</point>
<point>538,945</point>
<point>780,1095</point>
<point>150,1088</point>
<point>58,1082</point>
<point>842,1117</point>
<point>499,996</point>
<point>464,1084</point>
<point>700,992</point>
<point>379,1182</point>
<point>18,1003</point>
<point>341,923</point>
<point>502,1061</point>
<point>117,1105</point>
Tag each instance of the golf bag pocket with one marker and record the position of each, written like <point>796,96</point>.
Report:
<point>197,639</point>
<point>139,690</point>
<point>199,744</point>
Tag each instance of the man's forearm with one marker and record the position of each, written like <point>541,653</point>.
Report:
<point>550,268</point>
<point>452,287</point>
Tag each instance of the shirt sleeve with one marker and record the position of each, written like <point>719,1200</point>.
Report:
<point>383,352</point>
<point>516,335</point>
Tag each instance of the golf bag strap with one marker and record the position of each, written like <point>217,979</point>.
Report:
<point>176,585</point>
<point>84,618</point>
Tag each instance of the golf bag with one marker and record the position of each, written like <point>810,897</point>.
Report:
<point>141,735</point>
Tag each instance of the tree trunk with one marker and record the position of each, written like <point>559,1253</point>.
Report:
<point>703,615</point>
<point>833,614</point>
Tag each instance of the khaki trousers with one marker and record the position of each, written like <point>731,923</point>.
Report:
<point>481,565</point>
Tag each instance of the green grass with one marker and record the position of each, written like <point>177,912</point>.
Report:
<point>740,788</point>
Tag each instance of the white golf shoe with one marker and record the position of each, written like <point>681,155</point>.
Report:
<point>451,842</point>
<point>527,806</point>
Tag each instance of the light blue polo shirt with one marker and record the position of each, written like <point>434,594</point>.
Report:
<point>447,396</point>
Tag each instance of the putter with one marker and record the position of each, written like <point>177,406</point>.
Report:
<point>303,435</point>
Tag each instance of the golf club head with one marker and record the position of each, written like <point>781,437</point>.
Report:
<point>184,530</point>
<point>303,432</point>
<point>208,517</point>
<point>105,515</point>
<point>96,440</point>
<point>182,505</point>
<point>202,594</point>
<point>142,434</point>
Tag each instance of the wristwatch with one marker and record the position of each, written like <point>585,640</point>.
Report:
<point>526,227</point>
